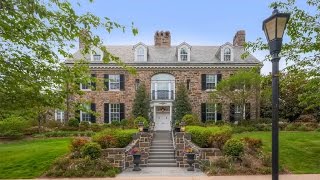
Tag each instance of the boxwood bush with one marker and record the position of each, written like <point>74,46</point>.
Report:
<point>214,136</point>
<point>13,127</point>
<point>233,147</point>
<point>114,138</point>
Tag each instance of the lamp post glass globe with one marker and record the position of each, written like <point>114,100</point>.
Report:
<point>140,126</point>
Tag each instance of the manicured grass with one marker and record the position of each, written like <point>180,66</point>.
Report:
<point>30,158</point>
<point>299,151</point>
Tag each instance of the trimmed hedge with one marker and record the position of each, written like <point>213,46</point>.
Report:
<point>214,136</point>
<point>114,138</point>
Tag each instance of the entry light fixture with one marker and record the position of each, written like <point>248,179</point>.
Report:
<point>182,126</point>
<point>140,126</point>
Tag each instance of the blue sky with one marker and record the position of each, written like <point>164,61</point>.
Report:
<point>201,22</point>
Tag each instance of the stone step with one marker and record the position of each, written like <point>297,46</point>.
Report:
<point>162,141</point>
<point>161,150</point>
<point>161,161</point>
<point>161,144</point>
<point>161,153</point>
<point>161,156</point>
<point>162,165</point>
<point>161,147</point>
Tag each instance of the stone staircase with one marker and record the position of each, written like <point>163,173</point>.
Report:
<point>162,150</point>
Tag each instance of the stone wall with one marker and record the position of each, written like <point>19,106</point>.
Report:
<point>121,157</point>
<point>196,94</point>
<point>183,141</point>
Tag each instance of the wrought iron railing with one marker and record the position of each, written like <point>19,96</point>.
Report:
<point>162,95</point>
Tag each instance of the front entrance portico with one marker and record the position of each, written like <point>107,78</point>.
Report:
<point>162,116</point>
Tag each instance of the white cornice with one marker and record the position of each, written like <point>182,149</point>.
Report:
<point>176,67</point>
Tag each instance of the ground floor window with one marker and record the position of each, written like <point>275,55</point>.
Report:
<point>114,112</point>
<point>59,115</point>
<point>84,114</point>
<point>210,112</point>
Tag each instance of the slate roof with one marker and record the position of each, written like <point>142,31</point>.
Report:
<point>168,55</point>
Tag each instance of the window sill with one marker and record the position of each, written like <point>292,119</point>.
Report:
<point>210,90</point>
<point>114,90</point>
<point>85,89</point>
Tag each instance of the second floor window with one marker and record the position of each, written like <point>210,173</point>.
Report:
<point>85,86</point>
<point>114,82</point>
<point>210,81</point>
<point>183,54</point>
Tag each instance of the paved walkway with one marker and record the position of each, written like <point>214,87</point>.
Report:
<point>161,171</point>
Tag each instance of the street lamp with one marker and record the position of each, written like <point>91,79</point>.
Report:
<point>182,126</point>
<point>274,28</point>
<point>140,126</point>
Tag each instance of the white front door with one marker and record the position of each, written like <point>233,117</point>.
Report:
<point>163,121</point>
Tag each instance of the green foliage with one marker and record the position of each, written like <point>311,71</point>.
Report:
<point>92,150</point>
<point>252,143</point>
<point>115,123</point>
<point>141,119</point>
<point>13,127</point>
<point>84,126</point>
<point>213,136</point>
<point>190,119</point>
<point>65,134</point>
<point>233,147</point>
<point>141,103</point>
<point>114,138</point>
<point>96,127</point>
<point>73,123</point>
<point>78,143</point>
<point>181,104</point>
<point>86,167</point>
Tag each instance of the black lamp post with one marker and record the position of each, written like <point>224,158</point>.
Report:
<point>274,28</point>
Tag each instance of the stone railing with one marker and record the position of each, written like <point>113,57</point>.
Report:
<point>183,140</point>
<point>121,157</point>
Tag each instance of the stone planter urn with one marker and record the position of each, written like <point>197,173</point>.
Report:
<point>136,162</point>
<point>177,129</point>
<point>145,129</point>
<point>190,161</point>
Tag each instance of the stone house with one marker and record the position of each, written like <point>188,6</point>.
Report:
<point>161,67</point>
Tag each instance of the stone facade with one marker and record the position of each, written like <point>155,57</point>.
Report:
<point>183,141</point>
<point>196,94</point>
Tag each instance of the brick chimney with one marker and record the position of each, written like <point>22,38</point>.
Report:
<point>240,38</point>
<point>162,39</point>
<point>83,35</point>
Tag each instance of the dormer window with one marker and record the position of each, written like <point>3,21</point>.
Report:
<point>96,57</point>
<point>140,52</point>
<point>183,54</point>
<point>96,54</point>
<point>227,54</point>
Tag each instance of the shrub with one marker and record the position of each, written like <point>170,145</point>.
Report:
<point>78,143</point>
<point>96,127</point>
<point>233,147</point>
<point>115,123</point>
<point>73,123</point>
<point>141,119</point>
<point>307,119</point>
<point>210,123</point>
<point>92,149</point>
<point>84,126</point>
<point>241,129</point>
<point>124,123</point>
<point>84,167</point>
<point>209,136</point>
<point>115,138</point>
<point>190,119</point>
<point>252,143</point>
<point>52,124</point>
<point>13,127</point>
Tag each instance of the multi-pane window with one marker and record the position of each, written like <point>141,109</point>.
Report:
<point>114,112</point>
<point>210,81</point>
<point>114,82</point>
<point>59,115</point>
<point>85,86</point>
<point>140,54</point>
<point>210,112</point>
<point>137,83</point>
<point>85,116</point>
<point>237,109</point>
<point>183,54</point>
<point>227,54</point>
<point>96,57</point>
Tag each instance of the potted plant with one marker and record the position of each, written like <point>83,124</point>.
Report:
<point>177,126</point>
<point>136,158</point>
<point>190,158</point>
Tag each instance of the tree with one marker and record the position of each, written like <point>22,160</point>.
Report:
<point>238,89</point>
<point>181,104</point>
<point>33,36</point>
<point>141,103</point>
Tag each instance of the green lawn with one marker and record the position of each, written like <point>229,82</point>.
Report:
<point>299,151</point>
<point>30,158</point>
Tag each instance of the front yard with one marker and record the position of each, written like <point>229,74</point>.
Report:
<point>299,151</point>
<point>30,158</point>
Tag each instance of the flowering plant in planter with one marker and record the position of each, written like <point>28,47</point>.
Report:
<point>188,150</point>
<point>135,151</point>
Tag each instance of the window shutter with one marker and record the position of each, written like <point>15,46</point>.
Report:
<point>219,111</point>
<point>122,116</point>
<point>77,113</point>
<point>247,112</point>
<point>106,82</point>
<point>203,81</point>
<point>106,112</point>
<point>232,109</point>
<point>93,82</point>
<point>121,82</point>
<point>93,117</point>
<point>188,84</point>
<point>203,112</point>
<point>219,77</point>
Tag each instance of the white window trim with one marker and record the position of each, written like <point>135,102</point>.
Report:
<point>231,53</point>
<point>110,112</point>
<point>61,115</point>
<point>136,53</point>
<point>215,82</point>
<point>188,51</point>
<point>89,89</point>
<point>215,112</point>
<point>86,113</point>
<point>114,82</point>
<point>94,52</point>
